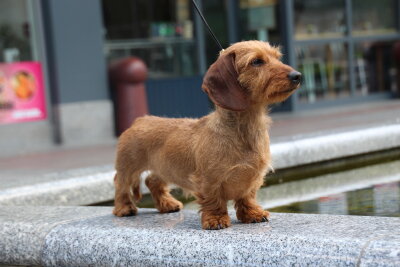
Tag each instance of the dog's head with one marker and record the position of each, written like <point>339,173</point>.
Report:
<point>249,73</point>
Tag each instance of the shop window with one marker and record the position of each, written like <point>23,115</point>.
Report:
<point>376,67</point>
<point>160,32</point>
<point>372,17</point>
<point>319,19</point>
<point>259,20</point>
<point>16,42</point>
<point>325,72</point>
<point>22,92</point>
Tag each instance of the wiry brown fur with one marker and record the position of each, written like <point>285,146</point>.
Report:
<point>222,156</point>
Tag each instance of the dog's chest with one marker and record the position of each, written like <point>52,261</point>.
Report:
<point>245,175</point>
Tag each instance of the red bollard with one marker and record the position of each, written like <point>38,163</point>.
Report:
<point>128,78</point>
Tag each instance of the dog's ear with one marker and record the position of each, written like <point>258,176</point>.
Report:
<point>222,85</point>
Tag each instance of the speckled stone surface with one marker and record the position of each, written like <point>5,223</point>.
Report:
<point>23,230</point>
<point>74,190</point>
<point>176,239</point>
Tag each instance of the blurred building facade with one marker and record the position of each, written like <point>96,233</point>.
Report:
<point>347,50</point>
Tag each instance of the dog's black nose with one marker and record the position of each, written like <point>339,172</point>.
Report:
<point>295,77</point>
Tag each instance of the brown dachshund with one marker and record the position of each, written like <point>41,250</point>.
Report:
<point>222,156</point>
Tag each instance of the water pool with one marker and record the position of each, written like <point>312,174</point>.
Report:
<point>372,191</point>
<point>376,200</point>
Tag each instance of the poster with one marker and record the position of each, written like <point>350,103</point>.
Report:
<point>22,96</point>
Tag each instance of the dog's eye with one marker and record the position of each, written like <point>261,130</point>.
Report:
<point>257,62</point>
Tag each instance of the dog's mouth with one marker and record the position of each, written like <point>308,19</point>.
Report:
<point>288,90</point>
<point>285,92</point>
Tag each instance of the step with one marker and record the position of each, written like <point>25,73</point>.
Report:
<point>92,236</point>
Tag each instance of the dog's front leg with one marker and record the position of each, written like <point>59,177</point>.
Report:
<point>214,212</point>
<point>248,211</point>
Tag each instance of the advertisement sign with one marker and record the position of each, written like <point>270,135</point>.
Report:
<point>22,96</point>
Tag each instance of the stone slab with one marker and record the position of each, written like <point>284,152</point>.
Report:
<point>84,189</point>
<point>23,230</point>
<point>176,239</point>
<point>331,146</point>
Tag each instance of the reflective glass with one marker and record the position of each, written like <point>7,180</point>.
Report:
<point>325,72</point>
<point>374,17</point>
<point>319,19</point>
<point>259,19</point>
<point>160,32</point>
<point>377,67</point>
<point>216,14</point>
<point>16,31</point>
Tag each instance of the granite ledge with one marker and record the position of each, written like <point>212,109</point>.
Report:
<point>97,186</point>
<point>176,239</point>
<point>333,146</point>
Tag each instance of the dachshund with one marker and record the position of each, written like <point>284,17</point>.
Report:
<point>219,157</point>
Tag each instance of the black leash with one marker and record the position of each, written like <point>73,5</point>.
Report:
<point>208,27</point>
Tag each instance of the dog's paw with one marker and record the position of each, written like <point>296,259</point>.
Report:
<point>127,210</point>
<point>253,216</point>
<point>215,222</point>
<point>169,205</point>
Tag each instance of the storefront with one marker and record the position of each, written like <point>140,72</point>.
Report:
<point>345,49</point>
<point>53,79</point>
<point>163,34</point>
<point>54,56</point>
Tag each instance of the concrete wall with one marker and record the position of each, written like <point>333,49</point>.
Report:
<point>76,38</point>
<point>77,70</point>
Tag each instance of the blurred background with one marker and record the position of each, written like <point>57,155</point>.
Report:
<point>347,50</point>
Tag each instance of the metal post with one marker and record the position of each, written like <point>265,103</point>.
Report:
<point>200,40</point>
<point>350,43</point>
<point>50,68</point>
<point>232,20</point>
<point>397,15</point>
<point>287,26</point>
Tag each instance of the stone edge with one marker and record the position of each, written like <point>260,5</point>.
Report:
<point>377,249</point>
<point>36,232</point>
<point>98,187</point>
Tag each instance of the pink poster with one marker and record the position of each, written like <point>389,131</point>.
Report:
<point>22,96</point>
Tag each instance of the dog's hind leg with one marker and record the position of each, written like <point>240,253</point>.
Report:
<point>125,182</point>
<point>163,200</point>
